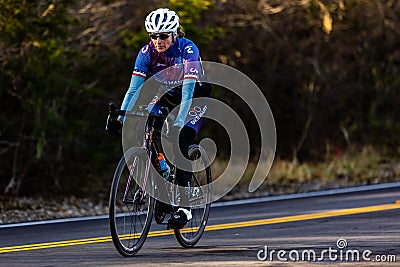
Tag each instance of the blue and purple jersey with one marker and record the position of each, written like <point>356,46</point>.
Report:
<point>179,65</point>
<point>183,58</point>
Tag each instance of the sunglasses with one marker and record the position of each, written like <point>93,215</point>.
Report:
<point>162,36</point>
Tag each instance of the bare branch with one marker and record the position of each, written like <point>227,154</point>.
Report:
<point>268,9</point>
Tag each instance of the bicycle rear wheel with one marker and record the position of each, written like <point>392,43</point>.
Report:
<point>130,206</point>
<point>200,199</point>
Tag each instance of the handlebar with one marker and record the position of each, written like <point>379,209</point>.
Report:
<point>114,127</point>
<point>143,112</point>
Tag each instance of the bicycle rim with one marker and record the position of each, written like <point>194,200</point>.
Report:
<point>199,198</point>
<point>130,207</point>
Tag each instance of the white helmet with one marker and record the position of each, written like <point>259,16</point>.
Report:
<point>162,20</point>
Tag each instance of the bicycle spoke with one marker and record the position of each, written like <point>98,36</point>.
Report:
<point>131,208</point>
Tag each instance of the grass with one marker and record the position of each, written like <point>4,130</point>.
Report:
<point>351,168</point>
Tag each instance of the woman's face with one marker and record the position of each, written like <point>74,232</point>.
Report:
<point>161,41</point>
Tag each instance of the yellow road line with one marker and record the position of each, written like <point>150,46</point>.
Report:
<point>293,218</point>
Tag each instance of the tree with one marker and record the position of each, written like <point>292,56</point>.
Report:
<point>38,87</point>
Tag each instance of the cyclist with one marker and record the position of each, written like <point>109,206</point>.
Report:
<point>168,47</point>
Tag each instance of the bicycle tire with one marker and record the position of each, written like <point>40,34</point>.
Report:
<point>190,235</point>
<point>130,218</point>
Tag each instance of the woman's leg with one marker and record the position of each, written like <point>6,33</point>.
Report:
<point>186,138</point>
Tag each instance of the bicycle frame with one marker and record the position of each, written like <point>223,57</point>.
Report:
<point>152,147</point>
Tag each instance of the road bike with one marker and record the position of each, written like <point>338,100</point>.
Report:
<point>134,196</point>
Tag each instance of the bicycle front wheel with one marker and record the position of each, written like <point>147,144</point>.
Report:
<point>200,198</point>
<point>131,206</point>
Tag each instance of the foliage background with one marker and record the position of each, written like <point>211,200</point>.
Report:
<point>329,69</point>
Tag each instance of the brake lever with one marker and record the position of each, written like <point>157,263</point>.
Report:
<point>169,122</point>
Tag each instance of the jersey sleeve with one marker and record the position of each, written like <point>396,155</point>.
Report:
<point>138,77</point>
<point>186,102</point>
<point>191,61</point>
<point>192,70</point>
<point>142,62</point>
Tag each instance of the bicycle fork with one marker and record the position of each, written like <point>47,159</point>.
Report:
<point>140,194</point>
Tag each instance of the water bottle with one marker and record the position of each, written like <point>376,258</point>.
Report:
<point>165,169</point>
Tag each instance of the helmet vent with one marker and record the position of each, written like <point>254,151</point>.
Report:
<point>162,20</point>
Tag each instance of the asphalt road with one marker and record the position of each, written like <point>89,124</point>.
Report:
<point>360,227</point>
